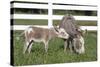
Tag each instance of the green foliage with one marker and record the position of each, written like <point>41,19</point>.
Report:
<point>29,11</point>
<point>55,53</point>
<point>55,12</point>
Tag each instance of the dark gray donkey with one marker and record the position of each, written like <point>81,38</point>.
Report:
<point>76,40</point>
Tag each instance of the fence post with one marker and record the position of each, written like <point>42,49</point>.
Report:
<point>50,12</point>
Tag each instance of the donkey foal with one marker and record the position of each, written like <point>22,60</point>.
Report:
<point>36,34</point>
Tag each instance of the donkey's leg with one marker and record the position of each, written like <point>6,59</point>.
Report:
<point>30,46</point>
<point>25,47</point>
<point>71,46</point>
<point>65,45</point>
<point>46,46</point>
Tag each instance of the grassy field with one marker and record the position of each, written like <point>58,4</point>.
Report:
<point>55,22</point>
<point>55,52</point>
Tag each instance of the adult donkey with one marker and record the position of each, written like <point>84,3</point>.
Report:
<point>76,40</point>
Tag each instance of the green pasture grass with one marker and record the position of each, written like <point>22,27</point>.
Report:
<point>30,22</point>
<point>81,23</point>
<point>55,53</point>
<point>55,22</point>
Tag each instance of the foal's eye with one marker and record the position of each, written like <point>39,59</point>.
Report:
<point>63,33</point>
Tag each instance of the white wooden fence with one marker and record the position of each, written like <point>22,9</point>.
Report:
<point>71,5</point>
<point>22,27</point>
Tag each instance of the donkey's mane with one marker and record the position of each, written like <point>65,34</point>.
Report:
<point>69,23</point>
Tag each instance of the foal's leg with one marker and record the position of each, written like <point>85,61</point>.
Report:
<point>46,46</point>
<point>25,47</point>
<point>30,46</point>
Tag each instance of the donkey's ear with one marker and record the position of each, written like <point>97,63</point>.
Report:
<point>84,32</point>
<point>78,29</point>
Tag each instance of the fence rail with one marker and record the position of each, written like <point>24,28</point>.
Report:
<point>54,17</point>
<point>45,6</point>
<point>23,27</point>
<point>50,5</point>
<point>79,2</point>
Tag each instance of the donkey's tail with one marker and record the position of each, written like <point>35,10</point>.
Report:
<point>18,37</point>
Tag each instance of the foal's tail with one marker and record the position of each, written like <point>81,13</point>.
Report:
<point>20,35</point>
<point>23,33</point>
